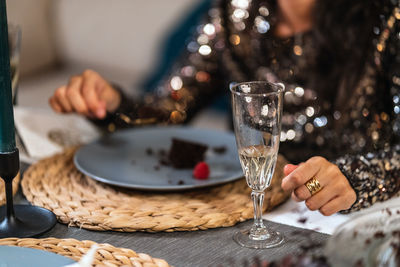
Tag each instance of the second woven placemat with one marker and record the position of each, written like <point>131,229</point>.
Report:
<point>77,200</point>
<point>106,255</point>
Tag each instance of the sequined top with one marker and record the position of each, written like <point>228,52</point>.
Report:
<point>235,44</point>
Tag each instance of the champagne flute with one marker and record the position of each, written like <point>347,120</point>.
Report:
<point>14,41</point>
<point>14,46</point>
<point>257,109</point>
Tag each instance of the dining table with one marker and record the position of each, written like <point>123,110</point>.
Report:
<point>212,247</point>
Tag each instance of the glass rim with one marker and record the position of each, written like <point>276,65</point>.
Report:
<point>14,39</point>
<point>280,86</point>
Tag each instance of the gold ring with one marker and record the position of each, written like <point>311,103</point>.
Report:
<point>313,186</point>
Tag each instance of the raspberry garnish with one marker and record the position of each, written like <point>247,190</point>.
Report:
<point>201,171</point>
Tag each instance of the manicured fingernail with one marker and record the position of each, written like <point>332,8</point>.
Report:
<point>101,113</point>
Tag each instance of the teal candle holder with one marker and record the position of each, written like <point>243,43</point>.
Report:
<point>20,220</point>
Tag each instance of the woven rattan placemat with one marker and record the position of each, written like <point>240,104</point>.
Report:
<point>77,200</point>
<point>106,254</point>
<point>2,190</point>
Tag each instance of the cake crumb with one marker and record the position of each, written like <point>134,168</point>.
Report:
<point>219,149</point>
<point>149,151</point>
<point>162,152</point>
<point>379,234</point>
<point>388,211</point>
<point>302,220</point>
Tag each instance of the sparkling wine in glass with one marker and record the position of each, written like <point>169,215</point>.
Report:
<point>257,109</point>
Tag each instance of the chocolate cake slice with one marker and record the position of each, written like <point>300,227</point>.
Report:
<point>186,154</point>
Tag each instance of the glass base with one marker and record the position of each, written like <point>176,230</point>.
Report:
<point>268,240</point>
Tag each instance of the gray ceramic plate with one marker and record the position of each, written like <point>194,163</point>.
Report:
<point>21,257</point>
<point>123,159</point>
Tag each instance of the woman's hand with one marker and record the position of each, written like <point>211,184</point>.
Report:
<point>88,94</point>
<point>336,193</point>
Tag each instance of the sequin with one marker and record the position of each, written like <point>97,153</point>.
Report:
<point>214,13</point>
<point>234,39</point>
<point>202,76</point>
<point>361,142</point>
<point>209,29</point>
<point>177,117</point>
<point>176,83</point>
<point>291,134</point>
<point>205,50</point>
<point>396,80</point>
<point>337,115</point>
<point>261,24</point>
<point>299,91</point>
<point>263,11</point>
<point>263,27</point>
<point>384,116</point>
<point>320,140</point>
<point>188,71</point>
<point>240,14</point>
<point>283,136</point>
<point>193,47</point>
<point>301,119</point>
<point>241,3</point>
<point>397,13</point>
<point>111,127</point>
<point>297,50</point>
<point>310,111</point>
<point>320,121</point>
<point>240,26</point>
<point>309,128</point>
<point>375,135</point>
<point>202,39</point>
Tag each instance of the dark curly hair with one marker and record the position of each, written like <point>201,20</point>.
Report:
<point>342,36</point>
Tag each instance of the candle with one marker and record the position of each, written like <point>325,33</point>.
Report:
<point>7,138</point>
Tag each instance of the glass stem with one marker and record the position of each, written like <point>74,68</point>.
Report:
<point>258,201</point>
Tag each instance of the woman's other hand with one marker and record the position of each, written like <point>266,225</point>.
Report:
<point>335,195</point>
<point>87,94</point>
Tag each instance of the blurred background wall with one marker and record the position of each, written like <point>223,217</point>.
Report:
<point>38,51</point>
<point>120,38</point>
